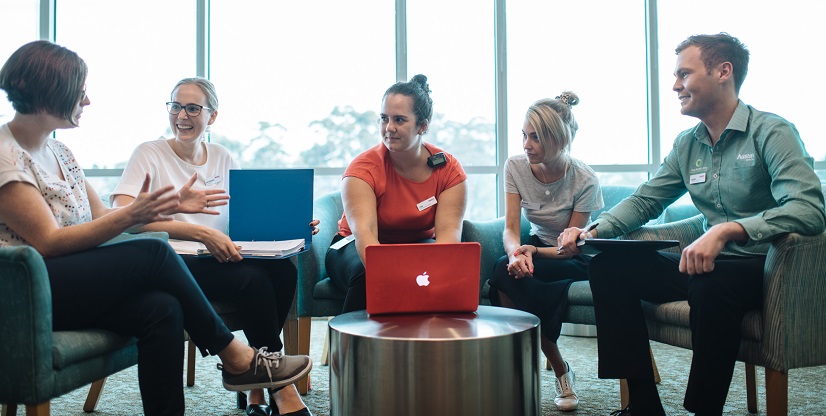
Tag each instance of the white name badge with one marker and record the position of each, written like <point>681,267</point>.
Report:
<point>530,206</point>
<point>698,178</point>
<point>343,242</point>
<point>429,202</point>
<point>213,180</point>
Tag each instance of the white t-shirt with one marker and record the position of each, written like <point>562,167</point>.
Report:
<point>67,198</point>
<point>551,213</point>
<point>165,168</point>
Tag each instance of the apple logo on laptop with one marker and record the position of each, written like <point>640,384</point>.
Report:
<point>421,279</point>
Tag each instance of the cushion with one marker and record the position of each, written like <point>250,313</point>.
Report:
<point>71,347</point>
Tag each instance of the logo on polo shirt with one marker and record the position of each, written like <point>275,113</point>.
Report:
<point>748,157</point>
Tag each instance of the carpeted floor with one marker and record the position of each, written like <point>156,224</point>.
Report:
<point>807,387</point>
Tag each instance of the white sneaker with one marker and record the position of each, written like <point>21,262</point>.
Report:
<point>566,398</point>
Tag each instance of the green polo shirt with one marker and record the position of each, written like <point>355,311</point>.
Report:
<point>758,174</point>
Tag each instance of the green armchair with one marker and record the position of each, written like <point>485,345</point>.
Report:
<point>36,363</point>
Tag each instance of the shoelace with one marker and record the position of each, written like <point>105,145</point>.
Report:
<point>266,359</point>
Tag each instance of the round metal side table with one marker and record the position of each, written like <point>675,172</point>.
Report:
<point>483,363</point>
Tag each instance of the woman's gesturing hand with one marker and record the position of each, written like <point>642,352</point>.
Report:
<point>199,201</point>
<point>154,206</point>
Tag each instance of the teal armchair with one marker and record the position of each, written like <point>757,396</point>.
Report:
<point>38,364</point>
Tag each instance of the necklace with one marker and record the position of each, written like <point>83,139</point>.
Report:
<point>544,181</point>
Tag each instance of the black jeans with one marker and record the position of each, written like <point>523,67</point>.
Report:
<point>718,300</point>
<point>262,290</point>
<point>139,288</point>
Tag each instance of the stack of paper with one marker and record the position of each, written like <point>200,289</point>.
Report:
<point>281,248</point>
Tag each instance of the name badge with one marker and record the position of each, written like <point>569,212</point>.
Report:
<point>215,180</point>
<point>698,178</point>
<point>343,242</point>
<point>429,202</point>
<point>530,206</point>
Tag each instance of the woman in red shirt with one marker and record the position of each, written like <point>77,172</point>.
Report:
<point>400,191</point>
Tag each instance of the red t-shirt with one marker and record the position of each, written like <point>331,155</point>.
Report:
<point>399,219</point>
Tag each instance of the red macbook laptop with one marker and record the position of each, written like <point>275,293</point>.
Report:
<point>427,277</point>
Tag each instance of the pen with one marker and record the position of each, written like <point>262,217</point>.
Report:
<point>587,230</point>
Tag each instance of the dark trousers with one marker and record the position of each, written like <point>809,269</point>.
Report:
<point>546,293</point>
<point>718,301</point>
<point>347,273</point>
<point>139,288</point>
<point>262,290</point>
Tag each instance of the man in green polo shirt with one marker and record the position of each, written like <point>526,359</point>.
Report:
<point>750,176</point>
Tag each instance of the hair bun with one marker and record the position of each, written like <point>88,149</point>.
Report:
<point>568,98</point>
<point>421,81</point>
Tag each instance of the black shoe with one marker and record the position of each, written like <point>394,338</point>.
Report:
<point>623,412</point>
<point>258,410</point>
<point>303,412</point>
<point>241,399</point>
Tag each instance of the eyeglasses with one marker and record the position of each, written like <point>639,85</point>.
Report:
<point>192,110</point>
<point>83,93</point>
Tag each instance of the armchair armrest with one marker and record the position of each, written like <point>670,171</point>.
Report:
<point>794,314</point>
<point>25,324</point>
<point>685,231</point>
<point>129,236</point>
<point>489,235</point>
<point>311,269</point>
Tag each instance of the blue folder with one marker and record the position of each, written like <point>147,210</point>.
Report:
<point>270,204</point>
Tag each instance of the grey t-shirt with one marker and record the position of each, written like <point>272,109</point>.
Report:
<point>549,214</point>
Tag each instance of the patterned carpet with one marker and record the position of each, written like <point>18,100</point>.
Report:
<point>807,387</point>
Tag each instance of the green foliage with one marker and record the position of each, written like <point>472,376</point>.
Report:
<point>348,134</point>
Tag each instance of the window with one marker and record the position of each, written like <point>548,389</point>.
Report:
<point>456,54</point>
<point>783,65</point>
<point>595,49</point>
<point>133,64</point>
<point>300,83</point>
<point>15,32</point>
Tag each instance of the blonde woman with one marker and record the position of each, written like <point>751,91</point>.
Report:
<point>554,191</point>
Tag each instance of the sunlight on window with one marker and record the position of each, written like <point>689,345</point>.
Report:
<point>300,83</point>
<point>445,46</point>
<point>597,50</point>
<point>15,32</point>
<point>133,64</point>
<point>784,56</point>
<point>452,44</point>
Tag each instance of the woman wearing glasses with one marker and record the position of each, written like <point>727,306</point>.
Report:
<point>263,289</point>
<point>139,287</point>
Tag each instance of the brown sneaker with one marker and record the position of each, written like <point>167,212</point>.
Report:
<point>268,370</point>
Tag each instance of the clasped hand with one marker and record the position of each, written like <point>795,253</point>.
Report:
<point>520,263</point>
